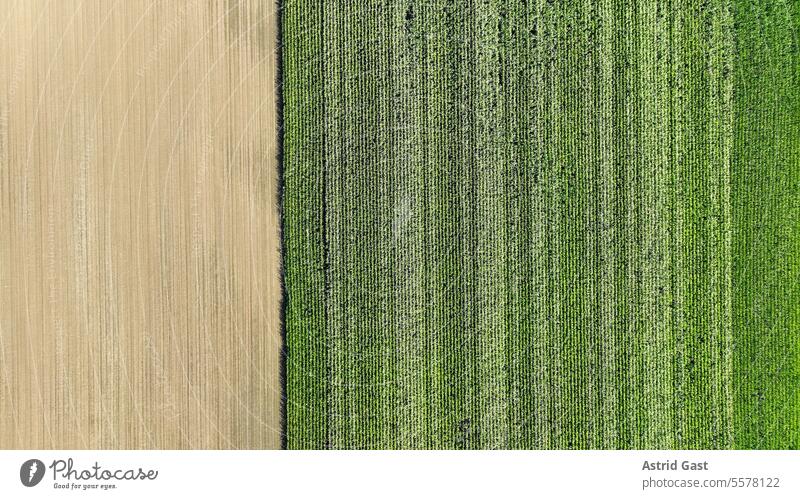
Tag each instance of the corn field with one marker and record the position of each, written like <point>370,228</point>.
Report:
<point>541,224</point>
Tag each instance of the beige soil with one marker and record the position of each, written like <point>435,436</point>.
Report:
<point>139,249</point>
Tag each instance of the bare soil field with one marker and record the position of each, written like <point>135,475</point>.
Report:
<point>139,240</point>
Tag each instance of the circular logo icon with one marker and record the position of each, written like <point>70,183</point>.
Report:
<point>31,472</point>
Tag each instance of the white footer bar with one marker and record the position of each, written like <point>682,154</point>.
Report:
<point>277,474</point>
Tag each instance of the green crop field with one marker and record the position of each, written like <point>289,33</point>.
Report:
<point>542,223</point>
